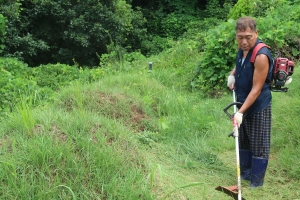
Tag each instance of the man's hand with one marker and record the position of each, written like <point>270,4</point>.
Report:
<point>238,118</point>
<point>230,81</point>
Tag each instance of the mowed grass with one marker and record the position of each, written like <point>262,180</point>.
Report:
<point>139,135</point>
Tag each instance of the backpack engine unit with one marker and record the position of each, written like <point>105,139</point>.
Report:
<point>283,69</point>
<point>282,72</point>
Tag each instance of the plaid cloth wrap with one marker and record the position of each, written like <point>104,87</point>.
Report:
<point>255,133</point>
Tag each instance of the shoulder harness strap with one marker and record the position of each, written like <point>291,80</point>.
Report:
<point>256,49</point>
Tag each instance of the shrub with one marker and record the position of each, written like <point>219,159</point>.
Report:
<point>55,76</point>
<point>2,31</point>
<point>279,29</point>
<point>217,59</point>
<point>15,82</point>
<point>69,29</point>
<point>18,81</point>
<point>254,8</point>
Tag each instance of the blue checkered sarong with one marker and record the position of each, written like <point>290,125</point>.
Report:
<point>255,133</point>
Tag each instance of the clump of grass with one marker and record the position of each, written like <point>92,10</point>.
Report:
<point>72,155</point>
<point>136,135</point>
<point>24,116</point>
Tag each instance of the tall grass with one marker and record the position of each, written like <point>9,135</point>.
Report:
<point>70,155</point>
<point>286,111</point>
<point>24,115</point>
<point>139,135</point>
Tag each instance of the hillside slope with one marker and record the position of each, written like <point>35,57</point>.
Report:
<point>131,136</point>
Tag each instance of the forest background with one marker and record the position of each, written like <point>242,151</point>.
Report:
<point>88,62</point>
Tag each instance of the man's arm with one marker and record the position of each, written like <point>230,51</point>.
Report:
<point>233,71</point>
<point>261,68</point>
<point>231,79</point>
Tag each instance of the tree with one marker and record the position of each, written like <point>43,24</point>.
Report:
<point>67,31</point>
<point>2,31</point>
<point>169,18</point>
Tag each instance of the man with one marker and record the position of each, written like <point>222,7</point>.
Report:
<point>254,116</point>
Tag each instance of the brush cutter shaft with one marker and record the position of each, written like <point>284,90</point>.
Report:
<point>234,100</point>
<point>237,151</point>
<point>238,171</point>
<point>235,191</point>
<point>236,137</point>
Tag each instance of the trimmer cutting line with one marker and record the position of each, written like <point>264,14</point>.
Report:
<point>234,191</point>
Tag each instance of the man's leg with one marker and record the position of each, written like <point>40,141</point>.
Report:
<point>260,134</point>
<point>245,152</point>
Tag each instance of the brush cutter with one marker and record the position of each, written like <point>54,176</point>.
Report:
<point>234,191</point>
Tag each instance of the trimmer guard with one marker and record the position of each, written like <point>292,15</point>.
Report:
<point>230,190</point>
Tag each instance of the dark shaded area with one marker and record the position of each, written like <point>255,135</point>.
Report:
<point>79,32</point>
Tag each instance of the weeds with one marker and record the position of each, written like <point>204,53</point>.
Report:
<point>25,117</point>
<point>138,136</point>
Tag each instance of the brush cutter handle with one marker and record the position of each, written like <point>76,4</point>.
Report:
<point>232,104</point>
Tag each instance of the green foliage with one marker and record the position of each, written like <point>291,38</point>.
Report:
<point>14,82</point>
<point>118,58</point>
<point>166,19</point>
<point>94,74</point>
<point>197,31</point>
<point>25,119</point>
<point>217,59</point>
<point>136,33</point>
<point>81,30</point>
<point>155,45</point>
<point>170,18</point>
<point>242,7</point>
<point>69,150</point>
<point>254,8</point>
<point>279,29</point>
<point>133,126</point>
<point>19,43</point>
<point>17,80</point>
<point>218,9</point>
<point>3,22</point>
<point>55,76</point>
<point>69,30</point>
<point>260,8</point>
<point>287,145</point>
<point>174,25</point>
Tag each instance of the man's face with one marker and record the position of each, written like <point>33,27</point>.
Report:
<point>246,39</point>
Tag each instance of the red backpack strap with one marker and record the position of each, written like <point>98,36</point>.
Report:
<point>256,49</point>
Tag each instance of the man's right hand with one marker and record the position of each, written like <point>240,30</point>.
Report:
<point>238,118</point>
<point>231,81</point>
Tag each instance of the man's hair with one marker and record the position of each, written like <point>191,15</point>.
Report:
<point>244,22</point>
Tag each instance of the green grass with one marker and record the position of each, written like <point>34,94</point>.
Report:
<point>139,135</point>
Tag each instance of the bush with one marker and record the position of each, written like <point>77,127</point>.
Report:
<point>217,59</point>
<point>197,31</point>
<point>69,30</point>
<point>254,8</point>
<point>55,76</point>
<point>15,82</point>
<point>279,29</point>
<point>18,81</point>
<point>215,8</point>
<point>174,25</point>
<point>2,31</point>
<point>155,45</point>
